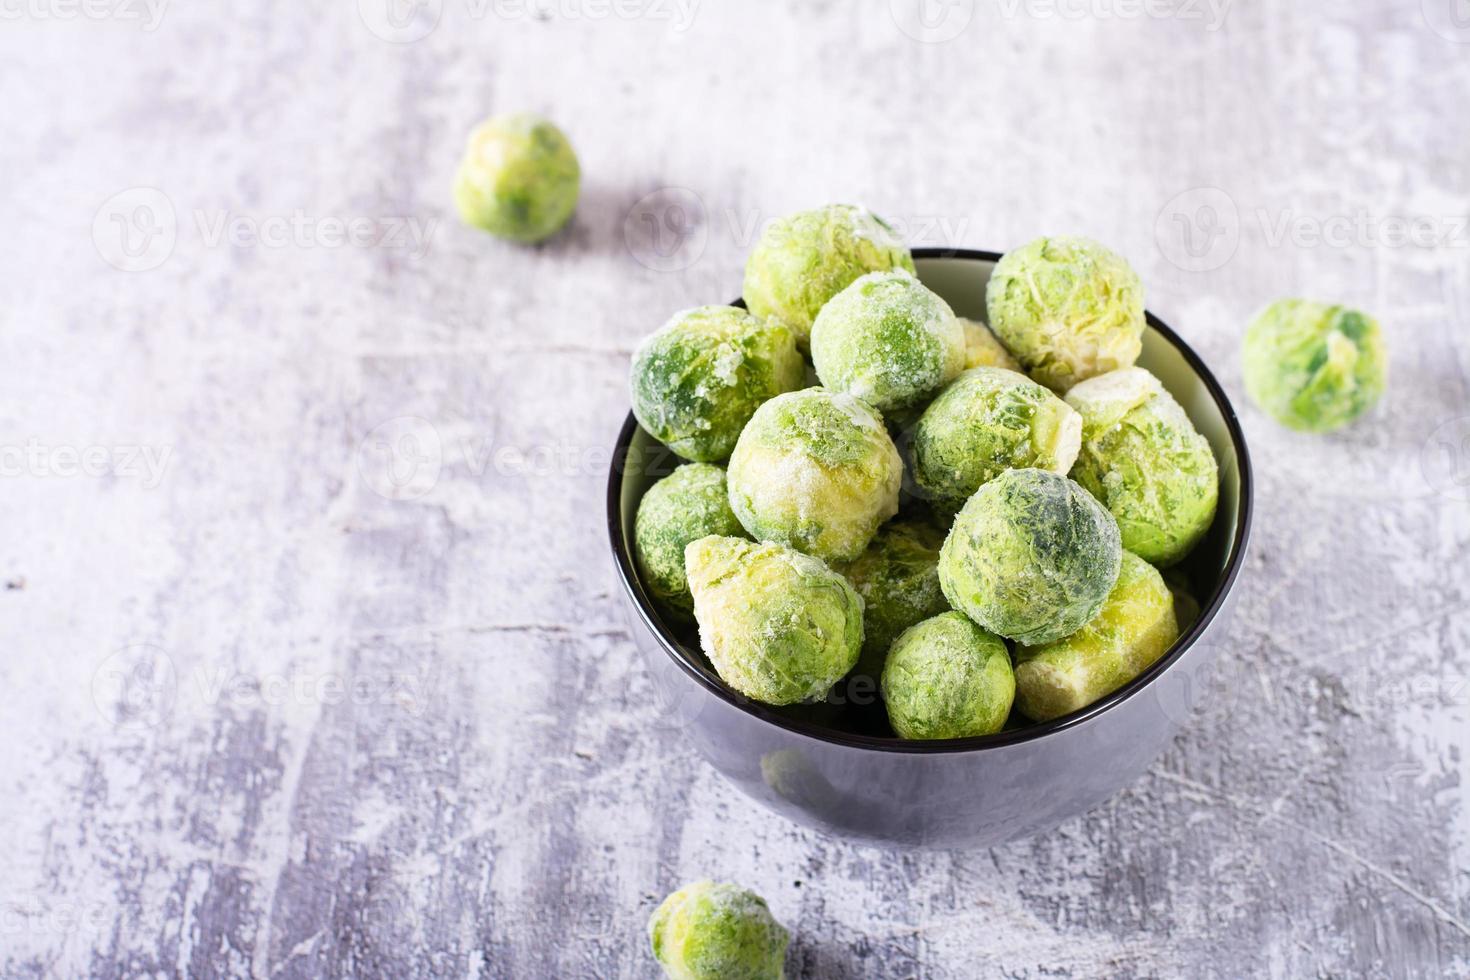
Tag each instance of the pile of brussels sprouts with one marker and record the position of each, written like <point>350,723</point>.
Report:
<point>975,519</point>
<point>789,560</point>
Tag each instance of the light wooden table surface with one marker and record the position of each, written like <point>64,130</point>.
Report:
<point>264,719</point>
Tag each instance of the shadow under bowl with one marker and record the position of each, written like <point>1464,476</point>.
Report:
<point>822,767</point>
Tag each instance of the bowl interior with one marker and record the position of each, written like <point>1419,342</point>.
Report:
<point>960,278</point>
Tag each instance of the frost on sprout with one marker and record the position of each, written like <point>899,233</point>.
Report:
<point>1031,556</point>
<point>778,626</point>
<point>1135,626</point>
<point>1143,458</point>
<point>1314,367</point>
<point>987,421</point>
<point>1067,308</point>
<point>690,503</point>
<point>519,178</point>
<point>815,471</point>
<point>888,339</point>
<point>948,678</point>
<point>803,260</point>
<point>698,379</point>
<point>717,931</point>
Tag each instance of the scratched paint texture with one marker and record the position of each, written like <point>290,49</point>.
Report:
<point>339,683</point>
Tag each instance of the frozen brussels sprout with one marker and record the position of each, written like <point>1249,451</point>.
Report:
<point>1312,366</point>
<point>710,931</point>
<point>1133,629</point>
<point>988,421</point>
<point>690,503</point>
<point>898,578</point>
<point>1146,462</point>
<point>1067,308</point>
<point>1031,556</point>
<point>699,378</point>
<point>816,471</point>
<point>805,259</point>
<point>518,179</point>
<point>888,340</point>
<point>778,626</point>
<point>948,678</point>
<point>984,349</point>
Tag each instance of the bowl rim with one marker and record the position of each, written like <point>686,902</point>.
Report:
<point>651,619</point>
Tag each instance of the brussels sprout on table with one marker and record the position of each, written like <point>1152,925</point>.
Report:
<point>717,931</point>
<point>518,179</point>
<point>1312,366</point>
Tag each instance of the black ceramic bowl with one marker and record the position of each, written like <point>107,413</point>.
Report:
<point>857,780</point>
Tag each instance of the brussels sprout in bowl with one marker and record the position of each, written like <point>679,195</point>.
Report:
<point>838,766</point>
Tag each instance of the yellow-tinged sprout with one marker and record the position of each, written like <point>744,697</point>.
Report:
<point>698,379</point>
<point>1031,556</point>
<point>988,421</point>
<point>518,179</point>
<point>779,626</point>
<point>690,503</point>
<point>898,578</point>
<point>816,471</point>
<point>1313,366</point>
<point>1135,627</point>
<point>1067,308</point>
<point>717,931</point>
<point>984,349</point>
<point>805,259</point>
<point>948,678</point>
<point>887,339</point>
<point>1144,459</point>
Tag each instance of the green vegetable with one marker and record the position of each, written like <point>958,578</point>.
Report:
<point>698,379</point>
<point>888,340</point>
<point>988,421</point>
<point>1312,366</point>
<point>709,931</point>
<point>1134,628</point>
<point>1031,556</point>
<point>519,178</point>
<point>984,349</point>
<point>1067,308</point>
<point>690,503</point>
<point>948,678</point>
<point>898,578</point>
<point>1144,459</point>
<point>779,626</point>
<point>803,260</point>
<point>816,471</point>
